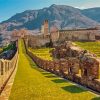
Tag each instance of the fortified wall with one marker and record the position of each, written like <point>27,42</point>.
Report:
<point>60,36</point>
<point>74,35</point>
<point>7,67</point>
<point>73,64</point>
<point>57,36</point>
<point>37,41</point>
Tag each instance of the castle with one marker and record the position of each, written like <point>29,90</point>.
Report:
<point>45,28</point>
<point>59,36</point>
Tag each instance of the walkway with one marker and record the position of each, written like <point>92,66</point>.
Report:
<point>32,83</point>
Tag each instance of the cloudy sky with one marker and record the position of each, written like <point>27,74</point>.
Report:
<point>11,7</point>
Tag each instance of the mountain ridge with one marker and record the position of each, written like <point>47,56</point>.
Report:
<point>60,16</point>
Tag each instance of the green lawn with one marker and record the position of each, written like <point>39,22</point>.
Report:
<point>43,53</point>
<point>32,83</point>
<point>93,47</point>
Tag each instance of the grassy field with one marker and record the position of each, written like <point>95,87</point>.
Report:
<point>42,53</point>
<point>32,83</point>
<point>93,47</point>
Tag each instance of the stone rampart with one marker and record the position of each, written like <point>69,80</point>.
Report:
<point>73,64</point>
<point>6,69</point>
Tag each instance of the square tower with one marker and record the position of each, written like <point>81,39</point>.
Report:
<point>46,28</point>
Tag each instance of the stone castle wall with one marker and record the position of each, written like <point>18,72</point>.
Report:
<point>61,36</point>
<point>6,69</point>
<point>78,66</point>
<point>74,35</point>
<point>37,41</point>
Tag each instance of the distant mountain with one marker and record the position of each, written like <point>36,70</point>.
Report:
<point>61,16</point>
<point>93,13</point>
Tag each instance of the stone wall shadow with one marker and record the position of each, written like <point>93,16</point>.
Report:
<point>51,76</point>
<point>59,81</point>
<point>96,98</point>
<point>73,89</point>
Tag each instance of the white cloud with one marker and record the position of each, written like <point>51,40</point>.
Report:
<point>90,4</point>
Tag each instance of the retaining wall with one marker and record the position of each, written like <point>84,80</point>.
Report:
<point>84,71</point>
<point>6,69</point>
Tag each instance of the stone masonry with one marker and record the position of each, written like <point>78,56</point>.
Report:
<point>72,63</point>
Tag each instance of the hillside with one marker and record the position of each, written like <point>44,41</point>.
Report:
<point>61,16</point>
<point>93,13</point>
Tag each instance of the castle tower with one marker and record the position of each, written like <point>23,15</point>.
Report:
<point>46,28</point>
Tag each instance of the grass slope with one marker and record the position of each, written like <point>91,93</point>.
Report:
<point>43,53</point>
<point>32,83</point>
<point>93,47</point>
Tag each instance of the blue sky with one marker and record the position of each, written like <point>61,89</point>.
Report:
<point>11,7</point>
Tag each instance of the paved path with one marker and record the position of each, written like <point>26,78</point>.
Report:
<point>32,83</point>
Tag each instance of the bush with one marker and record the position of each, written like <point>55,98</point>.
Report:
<point>11,46</point>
